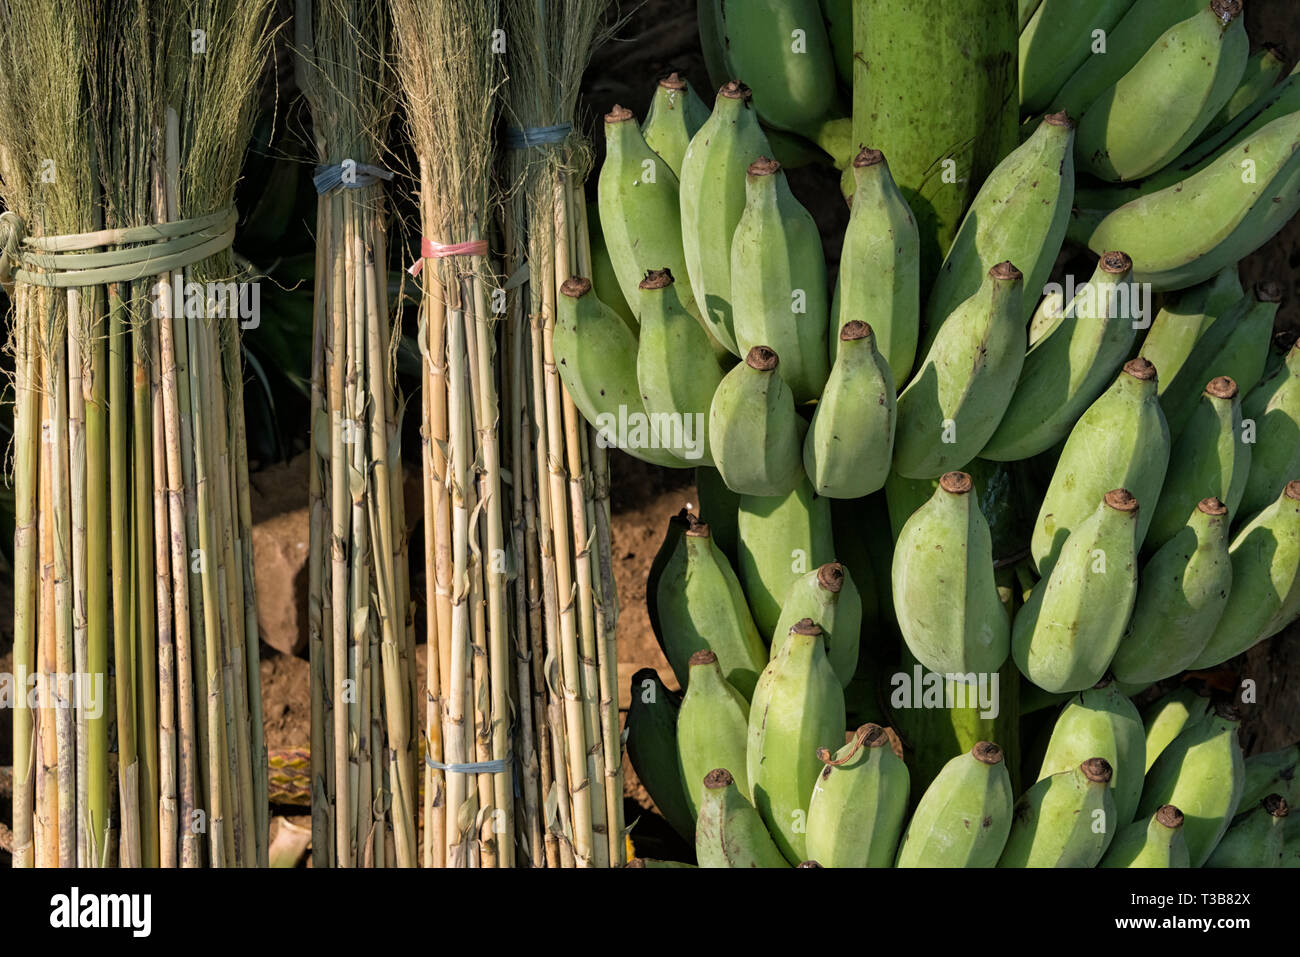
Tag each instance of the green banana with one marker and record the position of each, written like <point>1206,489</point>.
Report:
<point>712,729</point>
<point>604,279</point>
<point>1272,410</point>
<point>1130,40</point>
<point>1211,219</point>
<point>964,817</point>
<point>778,281</point>
<point>1071,626</point>
<point>671,552</point>
<point>1166,718</point>
<point>934,84</point>
<point>1184,318</point>
<point>797,707</point>
<point>847,450</point>
<point>780,539</point>
<point>1026,11</point>
<point>709,18</point>
<point>701,606</point>
<point>859,803</point>
<point>1273,772</point>
<point>1160,106</point>
<point>1237,346</point>
<point>640,215</point>
<point>963,388</point>
<point>1182,591</point>
<point>718,506</point>
<point>1263,70</point>
<point>1202,773</point>
<point>839,28</point>
<point>829,597</point>
<point>1257,840</point>
<point>1070,364</point>
<point>713,200</point>
<point>1004,492</point>
<point>1101,722</point>
<point>1122,441</point>
<point>1210,458</point>
<point>1020,214</point>
<point>597,354</point>
<point>1056,41</point>
<point>1265,597</point>
<point>676,370</point>
<point>1155,842</point>
<point>880,266</point>
<point>652,748</point>
<point>945,597</point>
<point>676,114</point>
<point>754,433</point>
<point>729,832</point>
<point>781,49</point>
<point>1065,820</point>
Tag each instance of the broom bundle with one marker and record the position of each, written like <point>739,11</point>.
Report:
<point>122,133</point>
<point>362,633</point>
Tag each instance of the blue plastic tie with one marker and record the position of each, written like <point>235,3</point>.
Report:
<point>537,136</point>
<point>329,178</point>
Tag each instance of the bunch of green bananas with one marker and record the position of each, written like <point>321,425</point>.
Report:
<point>974,511</point>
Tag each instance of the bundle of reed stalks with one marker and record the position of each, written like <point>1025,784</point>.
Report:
<point>564,597</point>
<point>122,133</point>
<point>362,630</point>
<point>449,67</point>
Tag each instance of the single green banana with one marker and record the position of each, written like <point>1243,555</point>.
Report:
<point>1071,364</point>
<point>676,370</point>
<point>1058,38</point>
<point>1182,320</point>
<point>847,450</point>
<point>755,435</point>
<point>829,597</point>
<point>964,386</point>
<point>1026,11</point>
<point>964,817</point>
<point>1157,841</point>
<point>1160,107</point>
<point>1202,772</point>
<point>1167,717</point>
<point>1265,597</point>
<point>797,707</point>
<point>1211,219</point>
<point>1071,626</point>
<point>1120,50</point>
<point>604,280</point>
<point>781,49</point>
<point>945,597</point>
<point>729,832</point>
<point>1065,820</point>
<point>839,28</point>
<point>934,85</point>
<point>652,748</point>
<point>1102,722</point>
<point>1236,347</point>
<point>880,266</point>
<point>713,200</point>
<point>718,506</point>
<point>859,803</point>
<point>1210,458</point>
<point>1271,411</point>
<point>1182,592</point>
<point>778,281</point>
<point>1122,441</point>
<point>597,355</point>
<point>1263,70</point>
<point>1020,214</point>
<point>1257,839</point>
<point>702,607</point>
<point>671,552</point>
<point>676,114</point>
<point>640,214</point>
<point>712,728</point>
<point>1272,772</point>
<point>781,539</point>
<point>709,17</point>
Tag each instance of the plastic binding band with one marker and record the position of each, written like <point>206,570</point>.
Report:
<point>517,139</point>
<point>330,178</point>
<point>431,250</point>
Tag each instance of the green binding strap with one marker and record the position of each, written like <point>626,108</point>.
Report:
<point>57,261</point>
